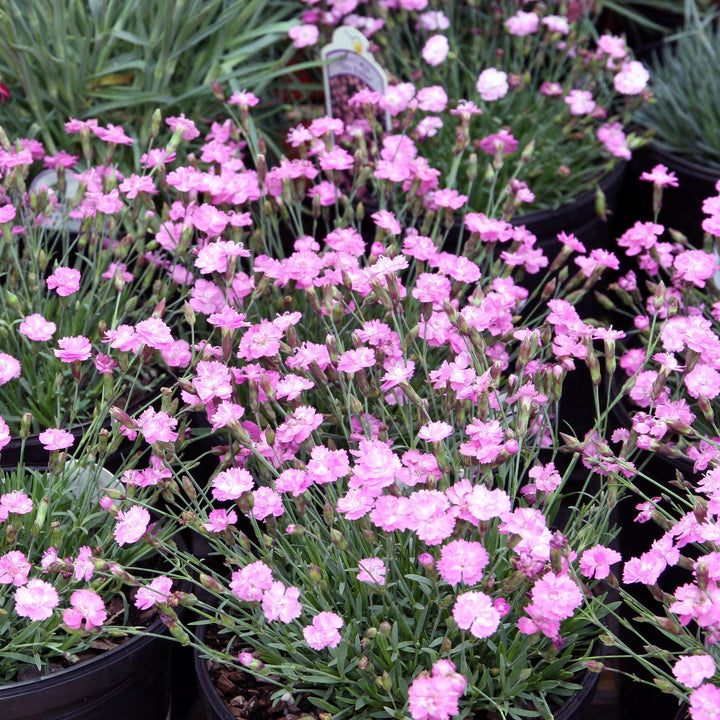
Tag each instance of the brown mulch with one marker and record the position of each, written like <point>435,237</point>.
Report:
<point>116,606</point>
<point>249,698</point>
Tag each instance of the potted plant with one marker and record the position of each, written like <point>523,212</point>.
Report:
<point>665,451</point>
<point>122,61</point>
<point>79,639</point>
<point>81,311</point>
<point>376,412</point>
<point>493,92</point>
<point>682,119</point>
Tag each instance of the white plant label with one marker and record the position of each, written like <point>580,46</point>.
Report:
<point>348,67</point>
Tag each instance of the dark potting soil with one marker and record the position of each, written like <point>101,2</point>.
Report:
<point>115,608</point>
<point>249,698</point>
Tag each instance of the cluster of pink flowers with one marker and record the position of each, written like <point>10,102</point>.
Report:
<point>436,696</point>
<point>387,385</point>
<point>424,110</point>
<point>426,335</point>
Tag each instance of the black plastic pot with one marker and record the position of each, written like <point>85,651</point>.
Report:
<point>35,455</point>
<point>579,216</point>
<point>681,206</point>
<point>130,681</point>
<point>643,38</point>
<point>643,699</point>
<point>575,708</point>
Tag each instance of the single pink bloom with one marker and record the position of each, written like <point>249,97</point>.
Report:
<point>65,281</point>
<point>251,582</point>
<point>435,50</point>
<point>230,484</point>
<point>462,561</point>
<point>267,502</point>
<point>88,606</point>
<point>219,520</point>
<point>37,328</point>
<point>474,611</point>
<point>660,176</point>
<point>56,439</point>
<point>705,702</point>
<point>184,125</point>
<point>9,368</point>
<point>112,134</point>
<point>522,23</point>
<point>492,84</point>
<point>83,565</point>
<point>131,525</point>
<point>323,632</point>
<point>36,600</point>
<point>372,570</point>
<point>435,431</point>
<point>14,568</point>
<point>303,35</point>
<point>73,348</point>
<point>157,426</point>
<point>154,333</point>
<point>16,502</point>
<point>157,591</point>
<point>596,561</point>
<point>281,603</point>
<point>432,698</point>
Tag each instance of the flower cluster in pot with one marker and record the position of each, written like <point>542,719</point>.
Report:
<point>523,93</point>
<point>685,71</point>
<point>84,337</point>
<point>84,314</point>
<point>669,364</point>
<point>393,526</point>
<point>69,565</point>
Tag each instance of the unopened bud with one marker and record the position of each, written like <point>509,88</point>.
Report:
<point>177,631</point>
<point>210,583</point>
<point>189,314</point>
<point>25,425</point>
<point>316,574</point>
<point>40,516</point>
<point>338,539</point>
<point>601,204</point>
<point>217,90</point>
<point>669,625</point>
<point>155,123</point>
<point>384,681</point>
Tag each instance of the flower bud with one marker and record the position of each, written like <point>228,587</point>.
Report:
<point>25,425</point>
<point>384,681</point>
<point>40,516</point>
<point>338,539</point>
<point>664,685</point>
<point>155,122</point>
<point>601,204</point>
<point>315,573</point>
<point>210,583</point>
<point>177,631</point>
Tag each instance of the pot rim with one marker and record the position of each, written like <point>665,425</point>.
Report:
<point>86,667</point>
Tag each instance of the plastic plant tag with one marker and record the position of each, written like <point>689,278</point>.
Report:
<point>59,219</point>
<point>348,67</point>
<point>80,476</point>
